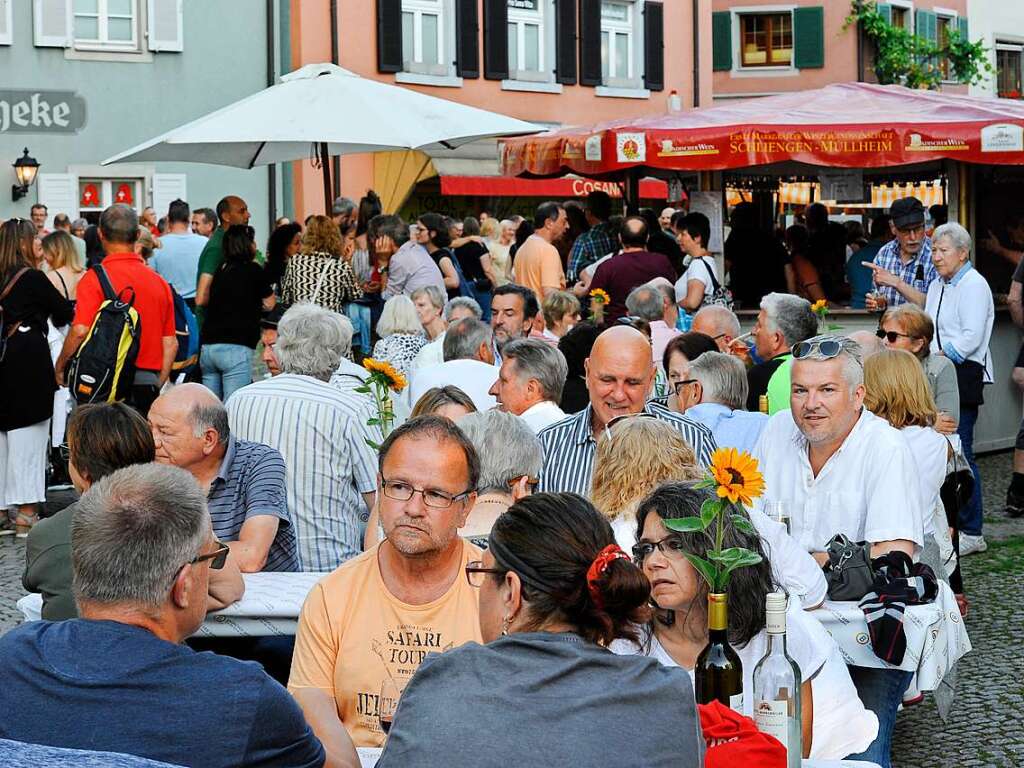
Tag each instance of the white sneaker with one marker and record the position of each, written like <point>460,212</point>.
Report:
<point>969,544</point>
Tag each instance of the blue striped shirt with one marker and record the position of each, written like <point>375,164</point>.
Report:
<point>569,448</point>
<point>250,482</point>
<point>888,256</point>
<point>321,432</point>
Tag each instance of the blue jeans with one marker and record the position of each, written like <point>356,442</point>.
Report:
<point>226,367</point>
<point>359,314</point>
<point>881,691</point>
<point>970,515</point>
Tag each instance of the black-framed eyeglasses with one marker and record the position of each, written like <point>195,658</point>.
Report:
<point>217,558</point>
<point>828,348</point>
<point>671,545</point>
<point>401,491</point>
<point>891,336</point>
<point>678,385</point>
<point>531,482</point>
<point>475,572</point>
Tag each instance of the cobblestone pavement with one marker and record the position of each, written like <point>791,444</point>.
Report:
<point>985,728</point>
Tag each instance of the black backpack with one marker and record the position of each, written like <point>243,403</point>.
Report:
<point>5,332</point>
<point>103,369</point>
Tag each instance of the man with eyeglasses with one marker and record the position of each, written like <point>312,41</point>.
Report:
<point>366,627</point>
<point>619,376</point>
<point>119,679</point>
<point>903,267</point>
<point>841,469</point>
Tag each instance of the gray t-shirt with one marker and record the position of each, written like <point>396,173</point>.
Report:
<point>544,699</point>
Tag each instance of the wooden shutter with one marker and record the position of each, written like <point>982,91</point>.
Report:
<point>565,42</point>
<point>59,193</point>
<point>961,25</point>
<point>809,37</point>
<point>721,41</point>
<point>926,25</point>
<point>467,38</point>
<point>168,187</point>
<point>6,22</point>
<point>51,23</point>
<point>389,35</point>
<point>496,39</point>
<point>590,42</point>
<point>885,11</point>
<point>654,46</point>
<point>166,25</point>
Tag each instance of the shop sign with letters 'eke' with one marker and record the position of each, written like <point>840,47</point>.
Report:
<point>41,111</point>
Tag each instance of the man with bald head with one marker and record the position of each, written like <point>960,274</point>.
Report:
<point>243,481</point>
<point>634,265</point>
<point>230,210</point>
<point>619,376</point>
<point>718,322</point>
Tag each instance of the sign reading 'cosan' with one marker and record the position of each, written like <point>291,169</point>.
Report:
<point>41,111</point>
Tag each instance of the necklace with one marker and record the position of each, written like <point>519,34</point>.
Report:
<point>493,501</point>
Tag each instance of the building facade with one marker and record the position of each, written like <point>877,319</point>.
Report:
<point>1001,26</point>
<point>764,47</point>
<point>86,79</point>
<point>553,62</point>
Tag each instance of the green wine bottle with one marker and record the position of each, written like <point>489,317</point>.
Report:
<point>719,673</point>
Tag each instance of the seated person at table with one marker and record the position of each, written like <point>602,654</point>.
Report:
<point>101,438</point>
<point>376,617</point>
<point>619,376</point>
<point>841,469</point>
<point>835,722</point>
<point>244,481</point>
<point>119,679</point>
<point>555,591</point>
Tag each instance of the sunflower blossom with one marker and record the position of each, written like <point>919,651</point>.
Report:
<point>599,294</point>
<point>386,373</point>
<point>736,475</point>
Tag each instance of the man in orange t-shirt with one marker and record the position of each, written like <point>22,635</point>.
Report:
<point>538,266</point>
<point>365,628</point>
<point>158,344</point>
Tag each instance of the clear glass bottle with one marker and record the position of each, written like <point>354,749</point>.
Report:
<point>777,685</point>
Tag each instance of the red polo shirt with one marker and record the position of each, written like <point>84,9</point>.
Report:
<point>153,302</point>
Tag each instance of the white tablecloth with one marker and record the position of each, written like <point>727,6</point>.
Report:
<point>270,606</point>
<point>936,637</point>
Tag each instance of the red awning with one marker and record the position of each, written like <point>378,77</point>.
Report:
<point>847,125</point>
<point>558,189</point>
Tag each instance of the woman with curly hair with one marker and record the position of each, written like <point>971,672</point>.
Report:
<point>321,273</point>
<point>634,456</point>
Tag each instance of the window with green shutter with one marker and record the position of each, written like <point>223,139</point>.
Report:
<point>721,40</point>
<point>809,37</point>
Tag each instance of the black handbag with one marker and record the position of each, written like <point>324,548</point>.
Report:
<point>957,488</point>
<point>848,571</point>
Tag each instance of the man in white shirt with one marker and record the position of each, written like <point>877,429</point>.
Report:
<point>530,382</point>
<point>468,364</point>
<point>841,469</point>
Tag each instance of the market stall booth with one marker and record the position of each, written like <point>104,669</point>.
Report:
<point>850,145</point>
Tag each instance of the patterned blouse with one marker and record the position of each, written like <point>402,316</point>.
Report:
<point>399,349</point>
<point>338,288</point>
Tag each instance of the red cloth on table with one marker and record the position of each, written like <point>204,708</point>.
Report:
<point>733,740</point>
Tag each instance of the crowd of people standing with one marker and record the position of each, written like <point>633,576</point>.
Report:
<point>562,382</point>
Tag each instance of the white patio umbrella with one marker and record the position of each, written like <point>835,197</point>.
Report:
<point>324,110</point>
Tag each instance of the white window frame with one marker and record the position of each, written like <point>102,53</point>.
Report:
<point>908,6</point>
<point>103,17</point>
<point>1011,46</point>
<point>738,70</point>
<point>445,37</point>
<point>542,19</point>
<point>632,28</point>
<point>106,190</point>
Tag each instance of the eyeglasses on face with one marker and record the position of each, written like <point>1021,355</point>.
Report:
<point>678,385</point>
<point>217,558</point>
<point>618,419</point>
<point>475,572</point>
<point>891,336</point>
<point>671,546</point>
<point>401,491</point>
<point>828,348</point>
<point>531,482</point>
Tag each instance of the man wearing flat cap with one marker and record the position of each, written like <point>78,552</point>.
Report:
<point>903,267</point>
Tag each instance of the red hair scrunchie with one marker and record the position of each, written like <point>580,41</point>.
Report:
<point>598,567</point>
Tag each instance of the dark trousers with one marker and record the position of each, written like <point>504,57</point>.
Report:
<point>141,397</point>
<point>274,652</point>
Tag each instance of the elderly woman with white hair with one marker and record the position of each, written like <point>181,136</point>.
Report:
<point>429,302</point>
<point>960,304</point>
<point>401,335</point>
<point>510,460</point>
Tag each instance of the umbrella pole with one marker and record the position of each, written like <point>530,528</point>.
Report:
<point>633,192</point>
<point>325,167</point>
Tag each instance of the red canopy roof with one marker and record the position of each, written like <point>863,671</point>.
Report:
<point>851,125</point>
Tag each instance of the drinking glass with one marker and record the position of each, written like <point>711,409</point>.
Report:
<point>387,704</point>
<point>778,512</point>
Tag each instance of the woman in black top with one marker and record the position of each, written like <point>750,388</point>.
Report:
<point>239,294</point>
<point>475,259</point>
<point>27,382</point>
<point>433,235</point>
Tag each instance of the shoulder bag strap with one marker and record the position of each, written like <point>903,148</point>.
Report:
<point>105,285</point>
<point>711,273</point>
<point>938,309</point>
<point>320,281</point>
<point>11,283</point>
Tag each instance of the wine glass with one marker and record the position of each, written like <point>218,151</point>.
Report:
<point>387,703</point>
<point>776,510</point>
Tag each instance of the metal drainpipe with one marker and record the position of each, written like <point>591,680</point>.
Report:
<point>696,54</point>
<point>271,169</point>
<point>335,59</point>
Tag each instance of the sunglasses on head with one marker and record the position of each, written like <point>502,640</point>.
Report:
<point>891,336</point>
<point>828,348</point>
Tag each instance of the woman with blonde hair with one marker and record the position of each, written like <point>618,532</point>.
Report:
<point>401,335</point>
<point>561,312</point>
<point>898,392</point>
<point>321,272</point>
<point>634,456</point>
<point>66,267</point>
